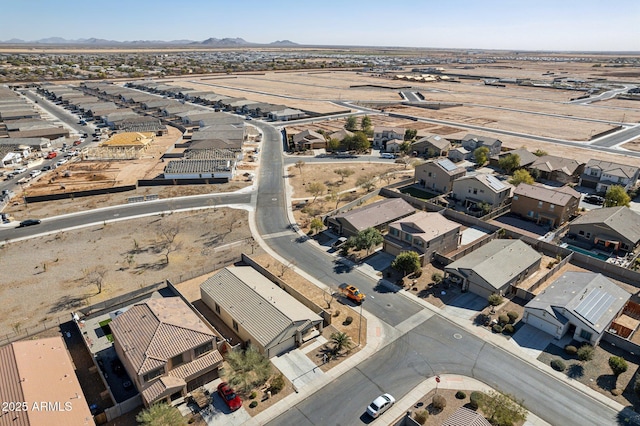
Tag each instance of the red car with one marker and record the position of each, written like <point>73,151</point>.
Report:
<point>229,396</point>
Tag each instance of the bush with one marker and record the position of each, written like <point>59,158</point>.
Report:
<point>497,328</point>
<point>348,320</point>
<point>558,365</point>
<point>439,402</point>
<point>495,299</point>
<point>461,395</point>
<point>253,404</point>
<point>336,313</point>
<point>513,316</point>
<point>253,395</point>
<point>475,399</point>
<point>616,392</point>
<point>586,353</point>
<point>618,365</point>
<point>421,416</point>
<point>508,329</point>
<point>503,319</point>
<point>277,384</point>
<point>570,350</point>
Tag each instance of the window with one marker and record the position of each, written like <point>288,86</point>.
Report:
<point>482,191</point>
<point>153,374</point>
<point>515,197</point>
<point>203,349</point>
<point>235,325</point>
<point>530,213</point>
<point>407,237</point>
<point>429,174</point>
<point>580,232</point>
<point>584,334</point>
<point>588,235</point>
<point>475,190</point>
<point>177,360</point>
<point>394,232</point>
<point>217,308</point>
<point>539,203</point>
<point>419,243</point>
<point>551,207</point>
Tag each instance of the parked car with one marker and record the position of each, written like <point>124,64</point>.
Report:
<point>21,170</point>
<point>339,242</point>
<point>380,405</point>
<point>45,169</point>
<point>61,161</point>
<point>594,199</point>
<point>387,155</point>
<point>34,173</point>
<point>351,292</point>
<point>78,142</point>
<point>51,155</point>
<point>29,222</point>
<point>229,396</point>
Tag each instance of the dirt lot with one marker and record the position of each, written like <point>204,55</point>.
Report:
<point>53,276</point>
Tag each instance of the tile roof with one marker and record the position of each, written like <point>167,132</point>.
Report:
<point>526,157</point>
<point>557,196</point>
<point>308,135</point>
<point>589,296</point>
<point>615,169</point>
<point>435,140</point>
<point>199,166</point>
<point>153,331</point>
<point>550,163</point>
<point>376,214</point>
<point>491,182</point>
<point>621,219</point>
<point>425,225</point>
<point>262,308</point>
<point>498,261</point>
<point>466,417</point>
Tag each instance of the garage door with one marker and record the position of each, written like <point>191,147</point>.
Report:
<point>541,324</point>
<point>202,380</point>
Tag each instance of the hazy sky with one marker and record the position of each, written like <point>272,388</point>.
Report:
<point>585,25</point>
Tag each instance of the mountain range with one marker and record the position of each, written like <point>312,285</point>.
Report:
<point>212,42</point>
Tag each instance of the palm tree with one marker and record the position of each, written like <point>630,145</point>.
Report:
<point>341,341</point>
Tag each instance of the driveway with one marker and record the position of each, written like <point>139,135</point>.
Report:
<point>466,305</point>
<point>376,263</point>
<point>297,367</point>
<point>531,340</point>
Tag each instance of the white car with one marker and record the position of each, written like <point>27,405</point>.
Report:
<point>20,170</point>
<point>380,405</point>
<point>387,155</point>
<point>61,161</point>
<point>35,173</point>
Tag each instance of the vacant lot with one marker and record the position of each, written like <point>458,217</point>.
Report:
<point>46,277</point>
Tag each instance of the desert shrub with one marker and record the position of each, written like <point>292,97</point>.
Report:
<point>497,328</point>
<point>253,395</point>
<point>503,319</point>
<point>495,299</point>
<point>508,329</point>
<point>618,365</point>
<point>570,350</point>
<point>616,392</point>
<point>336,313</point>
<point>348,320</point>
<point>277,384</point>
<point>513,316</point>
<point>253,404</point>
<point>417,274</point>
<point>558,365</point>
<point>586,353</point>
<point>439,402</point>
<point>421,416</point>
<point>461,395</point>
<point>475,398</point>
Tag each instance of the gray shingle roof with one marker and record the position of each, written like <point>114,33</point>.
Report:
<point>376,214</point>
<point>621,219</point>
<point>615,169</point>
<point>556,196</point>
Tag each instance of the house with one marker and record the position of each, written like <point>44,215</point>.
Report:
<point>481,188</point>
<point>36,372</point>
<point>494,267</point>
<point>260,312</point>
<point>526,157</point>
<point>431,146</point>
<point>583,304</point>
<point>201,169</point>
<point>458,154</point>
<point>610,228</point>
<point>376,215</point>
<point>601,175</point>
<point>166,349</point>
<point>341,135</point>
<point>309,139</point>
<point>422,232</point>
<point>34,144</point>
<point>383,134</point>
<point>134,140</point>
<point>472,142</point>
<point>438,176</point>
<point>286,114</point>
<point>545,206</point>
<point>464,416</point>
<point>557,169</point>
<point>393,145</point>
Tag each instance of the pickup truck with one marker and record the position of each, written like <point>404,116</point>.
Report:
<point>352,293</point>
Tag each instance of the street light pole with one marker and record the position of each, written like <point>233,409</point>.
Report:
<point>360,324</point>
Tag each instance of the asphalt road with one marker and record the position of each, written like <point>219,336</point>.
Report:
<point>438,346</point>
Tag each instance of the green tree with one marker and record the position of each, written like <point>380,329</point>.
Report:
<point>521,176</point>
<point>616,196</point>
<point>248,368</point>
<point>405,147</point>
<point>161,414</point>
<point>333,144</point>
<point>341,341</point>
<point>436,278</point>
<point>315,189</point>
<point>361,142</point>
<point>351,124</point>
<point>540,153</point>
<point>334,196</point>
<point>365,123</point>
<point>618,365</point>
<point>481,155</point>
<point>367,182</point>
<point>502,409</point>
<point>509,162</point>
<point>344,173</point>
<point>406,262</point>
<point>410,134</point>
<point>367,239</point>
<point>316,225</point>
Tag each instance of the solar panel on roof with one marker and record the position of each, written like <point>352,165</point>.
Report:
<point>595,304</point>
<point>495,183</point>
<point>447,165</point>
